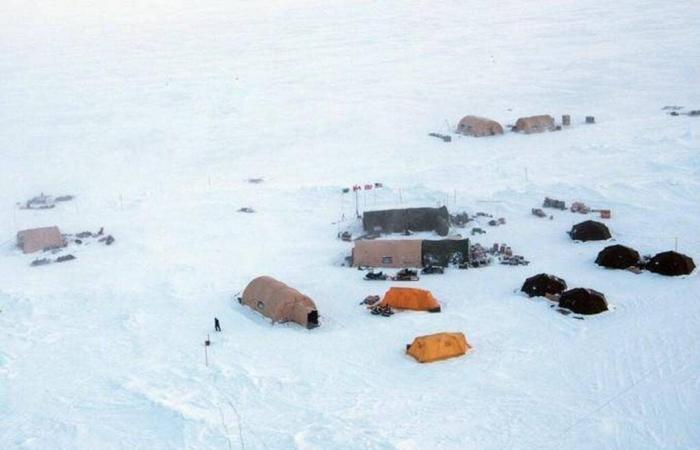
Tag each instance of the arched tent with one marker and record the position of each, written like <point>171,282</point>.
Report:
<point>410,298</point>
<point>671,263</point>
<point>436,347</point>
<point>478,126</point>
<point>280,302</point>
<point>543,284</point>
<point>583,301</point>
<point>618,257</point>
<point>590,230</point>
<point>535,124</point>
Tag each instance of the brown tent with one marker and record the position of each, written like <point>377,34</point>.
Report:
<point>410,298</point>
<point>280,302</point>
<point>37,239</point>
<point>478,126</point>
<point>436,347</point>
<point>387,253</point>
<point>535,124</point>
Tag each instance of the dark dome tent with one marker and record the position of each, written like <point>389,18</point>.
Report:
<point>671,263</point>
<point>590,230</point>
<point>543,284</point>
<point>583,301</point>
<point>618,257</point>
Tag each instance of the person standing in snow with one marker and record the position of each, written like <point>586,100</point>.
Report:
<point>217,325</point>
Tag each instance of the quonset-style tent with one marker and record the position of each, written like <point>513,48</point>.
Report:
<point>478,126</point>
<point>436,347</point>
<point>410,298</point>
<point>671,263</point>
<point>618,257</point>
<point>583,301</point>
<point>535,124</point>
<point>543,284</point>
<point>36,239</point>
<point>387,253</point>
<point>590,230</point>
<point>280,302</point>
<point>414,219</point>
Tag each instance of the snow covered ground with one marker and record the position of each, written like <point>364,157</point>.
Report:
<point>155,113</point>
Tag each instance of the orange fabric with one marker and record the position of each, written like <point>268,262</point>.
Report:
<point>410,298</point>
<point>436,347</point>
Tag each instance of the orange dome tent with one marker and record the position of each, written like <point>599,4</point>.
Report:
<point>410,298</point>
<point>436,347</point>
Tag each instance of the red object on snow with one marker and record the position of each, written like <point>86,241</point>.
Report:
<point>605,214</point>
<point>357,187</point>
<point>368,187</point>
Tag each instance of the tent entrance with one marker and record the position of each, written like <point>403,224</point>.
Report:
<point>312,319</point>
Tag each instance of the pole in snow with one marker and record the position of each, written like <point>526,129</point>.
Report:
<point>207,343</point>
<point>357,206</point>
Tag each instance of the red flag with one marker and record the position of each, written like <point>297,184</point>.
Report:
<point>368,187</point>
<point>356,187</point>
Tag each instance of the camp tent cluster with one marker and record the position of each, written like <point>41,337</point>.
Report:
<point>578,300</point>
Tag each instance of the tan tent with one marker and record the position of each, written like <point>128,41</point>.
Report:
<point>387,253</point>
<point>280,302</point>
<point>535,124</point>
<point>37,239</point>
<point>436,347</point>
<point>410,298</point>
<point>478,126</point>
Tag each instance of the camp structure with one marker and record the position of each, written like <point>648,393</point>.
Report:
<point>583,301</point>
<point>444,251</point>
<point>36,239</point>
<point>387,253</point>
<point>410,298</point>
<point>413,219</point>
<point>589,230</point>
<point>671,263</point>
<point>618,257</point>
<point>436,347</point>
<point>535,124</point>
<point>409,252</point>
<point>542,285</point>
<point>478,126</point>
<point>279,302</point>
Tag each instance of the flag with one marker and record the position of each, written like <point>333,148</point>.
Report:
<point>378,185</point>
<point>368,187</point>
<point>346,190</point>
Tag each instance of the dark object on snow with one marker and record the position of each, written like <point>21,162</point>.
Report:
<point>552,203</point>
<point>381,310</point>
<point>217,325</point>
<point>493,223</point>
<point>444,137</point>
<point>345,236</point>
<point>671,263</point>
<point>538,212</point>
<point>406,275</point>
<point>618,257</point>
<point>414,219</point>
<point>40,202</point>
<point>64,198</point>
<point>590,119</point>
<point>246,209</point>
<point>443,252</point>
<point>583,301</point>
<point>376,276</point>
<point>477,230</point>
<point>693,113</point>
<point>429,270</point>
<point>40,262</point>
<point>370,300</point>
<point>255,180</point>
<point>590,230</point>
<point>65,258</point>
<point>108,240</point>
<point>78,241</point>
<point>83,235</point>
<point>543,284</point>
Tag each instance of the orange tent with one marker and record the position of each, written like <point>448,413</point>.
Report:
<point>411,298</point>
<point>436,347</point>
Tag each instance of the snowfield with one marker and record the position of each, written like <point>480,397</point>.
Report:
<point>155,113</point>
